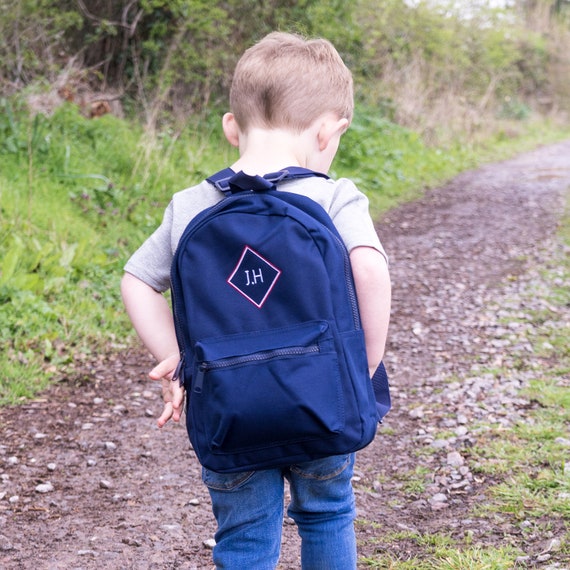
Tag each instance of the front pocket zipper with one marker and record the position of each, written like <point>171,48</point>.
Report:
<point>263,356</point>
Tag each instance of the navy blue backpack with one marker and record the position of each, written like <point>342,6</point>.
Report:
<point>272,349</point>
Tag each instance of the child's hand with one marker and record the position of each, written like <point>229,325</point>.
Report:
<point>172,392</point>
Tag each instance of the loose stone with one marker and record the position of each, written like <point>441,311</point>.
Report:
<point>439,498</point>
<point>5,543</point>
<point>170,527</point>
<point>454,459</point>
<point>44,488</point>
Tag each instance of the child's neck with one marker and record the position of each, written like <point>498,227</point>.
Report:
<point>270,150</point>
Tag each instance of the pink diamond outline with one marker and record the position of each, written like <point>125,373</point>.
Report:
<point>229,279</point>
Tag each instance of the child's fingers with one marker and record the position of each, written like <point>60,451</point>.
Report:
<point>166,415</point>
<point>177,403</point>
<point>164,368</point>
<point>178,393</point>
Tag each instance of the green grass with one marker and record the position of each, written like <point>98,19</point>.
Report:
<point>76,197</point>
<point>440,552</point>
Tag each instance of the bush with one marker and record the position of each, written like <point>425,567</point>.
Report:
<point>168,60</point>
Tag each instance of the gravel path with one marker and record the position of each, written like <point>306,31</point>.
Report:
<point>467,265</point>
<point>88,482</point>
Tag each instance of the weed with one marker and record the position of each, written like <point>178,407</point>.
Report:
<point>440,552</point>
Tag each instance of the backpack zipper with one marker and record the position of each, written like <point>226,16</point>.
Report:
<point>177,376</point>
<point>208,366</point>
<point>349,282</point>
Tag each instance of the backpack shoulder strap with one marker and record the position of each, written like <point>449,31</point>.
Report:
<point>230,182</point>
<point>221,179</point>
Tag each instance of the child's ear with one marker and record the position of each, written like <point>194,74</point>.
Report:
<point>331,127</point>
<point>231,129</point>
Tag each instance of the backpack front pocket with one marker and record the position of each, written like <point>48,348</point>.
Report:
<point>265,389</point>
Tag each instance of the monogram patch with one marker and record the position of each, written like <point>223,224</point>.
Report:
<point>254,277</point>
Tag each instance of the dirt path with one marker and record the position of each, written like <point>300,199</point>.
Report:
<point>88,482</point>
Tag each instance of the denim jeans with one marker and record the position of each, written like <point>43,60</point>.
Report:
<point>249,506</point>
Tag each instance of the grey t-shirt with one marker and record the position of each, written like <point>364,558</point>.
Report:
<point>345,204</point>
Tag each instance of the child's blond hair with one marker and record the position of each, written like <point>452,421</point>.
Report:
<point>286,81</point>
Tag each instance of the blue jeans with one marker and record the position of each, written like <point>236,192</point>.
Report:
<point>248,507</point>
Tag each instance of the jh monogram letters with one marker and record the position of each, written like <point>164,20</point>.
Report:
<point>255,276</point>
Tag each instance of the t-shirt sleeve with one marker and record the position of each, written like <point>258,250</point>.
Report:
<point>351,215</point>
<point>151,261</point>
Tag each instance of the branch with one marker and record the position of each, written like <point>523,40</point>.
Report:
<point>122,24</point>
<point>133,25</point>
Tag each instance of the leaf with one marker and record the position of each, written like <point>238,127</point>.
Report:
<point>10,263</point>
<point>67,255</point>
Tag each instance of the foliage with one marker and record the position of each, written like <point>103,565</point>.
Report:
<point>431,64</point>
<point>174,56</point>
<point>70,210</point>
<point>428,65</point>
<point>31,37</point>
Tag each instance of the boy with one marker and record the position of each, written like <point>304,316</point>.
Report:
<point>290,100</point>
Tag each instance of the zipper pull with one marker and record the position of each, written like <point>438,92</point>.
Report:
<point>199,381</point>
<point>178,375</point>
